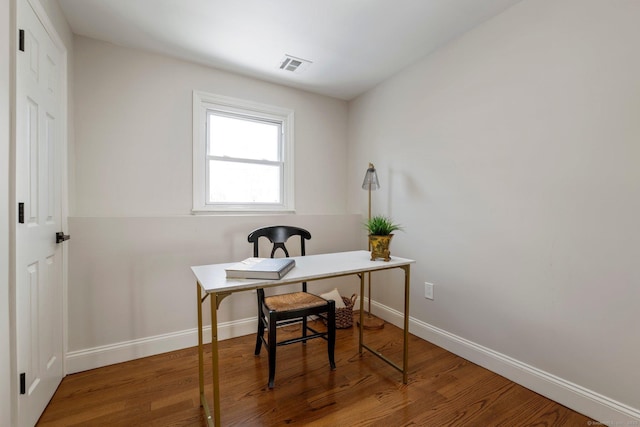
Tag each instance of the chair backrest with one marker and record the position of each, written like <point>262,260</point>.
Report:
<point>278,235</point>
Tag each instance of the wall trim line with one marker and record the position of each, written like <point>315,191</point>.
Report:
<point>96,357</point>
<point>580,399</point>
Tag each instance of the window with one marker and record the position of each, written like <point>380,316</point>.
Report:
<point>242,155</point>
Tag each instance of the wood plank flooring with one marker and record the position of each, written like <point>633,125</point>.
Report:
<point>443,389</point>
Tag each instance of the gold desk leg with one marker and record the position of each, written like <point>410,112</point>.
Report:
<point>214,359</point>
<point>405,352</point>
<point>361,312</point>
<point>200,344</point>
<point>203,397</point>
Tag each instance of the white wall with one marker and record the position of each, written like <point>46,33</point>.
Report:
<point>511,156</point>
<point>133,124</point>
<point>131,291</point>
<point>5,127</point>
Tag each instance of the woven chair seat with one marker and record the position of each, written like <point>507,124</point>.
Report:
<point>293,301</point>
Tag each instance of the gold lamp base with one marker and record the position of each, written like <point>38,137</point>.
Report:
<point>371,322</point>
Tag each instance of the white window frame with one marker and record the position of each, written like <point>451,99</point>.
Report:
<point>202,103</point>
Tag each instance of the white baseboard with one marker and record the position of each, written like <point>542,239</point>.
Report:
<point>91,358</point>
<point>574,396</point>
<point>594,405</point>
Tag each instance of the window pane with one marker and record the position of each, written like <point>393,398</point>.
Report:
<point>233,182</point>
<point>243,138</point>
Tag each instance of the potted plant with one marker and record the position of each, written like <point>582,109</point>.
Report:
<point>380,230</point>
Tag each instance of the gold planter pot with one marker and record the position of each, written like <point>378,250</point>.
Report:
<point>380,247</point>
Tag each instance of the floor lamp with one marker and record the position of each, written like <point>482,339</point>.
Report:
<point>370,184</point>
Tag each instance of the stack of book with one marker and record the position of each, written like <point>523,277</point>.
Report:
<point>260,268</point>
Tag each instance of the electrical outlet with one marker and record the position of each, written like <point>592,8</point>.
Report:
<point>428,290</point>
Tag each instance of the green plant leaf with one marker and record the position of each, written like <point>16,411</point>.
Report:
<point>380,225</point>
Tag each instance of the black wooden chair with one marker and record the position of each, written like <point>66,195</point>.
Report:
<point>277,310</point>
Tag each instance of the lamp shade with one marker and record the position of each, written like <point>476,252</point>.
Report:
<point>371,179</point>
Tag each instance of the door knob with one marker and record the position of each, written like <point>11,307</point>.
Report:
<point>61,237</point>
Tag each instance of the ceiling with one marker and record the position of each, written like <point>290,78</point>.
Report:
<point>353,44</point>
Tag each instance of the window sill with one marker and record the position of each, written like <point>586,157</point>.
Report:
<point>241,212</point>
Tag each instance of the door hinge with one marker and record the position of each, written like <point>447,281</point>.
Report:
<point>21,40</point>
<point>23,383</point>
<point>21,213</point>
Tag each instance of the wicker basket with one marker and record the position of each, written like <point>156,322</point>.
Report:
<point>344,316</point>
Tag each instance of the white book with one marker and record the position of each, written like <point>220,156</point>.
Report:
<point>260,268</point>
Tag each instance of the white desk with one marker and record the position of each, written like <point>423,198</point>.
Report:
<point>211,279</point>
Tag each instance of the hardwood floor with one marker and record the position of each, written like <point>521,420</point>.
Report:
<point>443,389</point>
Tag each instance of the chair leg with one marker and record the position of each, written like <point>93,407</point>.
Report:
<point>304,329</point>
<point>259,335</point>
<point>331,329</point>
<point>272,349</point>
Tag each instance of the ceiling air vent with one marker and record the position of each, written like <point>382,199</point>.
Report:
<point>293,64</point>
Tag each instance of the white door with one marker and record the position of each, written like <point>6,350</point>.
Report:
<point>39,288</point>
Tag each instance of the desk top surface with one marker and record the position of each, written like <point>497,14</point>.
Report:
<point>212,278</point>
